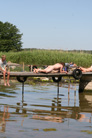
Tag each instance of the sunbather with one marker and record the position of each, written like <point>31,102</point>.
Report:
<point>58,67</point>
<point>69,65</point>
<point>86,69</point>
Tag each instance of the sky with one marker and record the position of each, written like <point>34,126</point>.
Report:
<point>51,24</point>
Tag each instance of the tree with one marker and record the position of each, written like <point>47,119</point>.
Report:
<point>10,37</point>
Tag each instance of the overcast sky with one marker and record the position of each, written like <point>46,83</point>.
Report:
<point>51,24</point>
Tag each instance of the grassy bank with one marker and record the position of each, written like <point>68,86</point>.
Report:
<point>47,57</point>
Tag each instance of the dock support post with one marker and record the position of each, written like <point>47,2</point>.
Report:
<point>22,80</point>
<point>84,83</point>
<point>57,79</point>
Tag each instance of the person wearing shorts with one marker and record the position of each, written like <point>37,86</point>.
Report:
<point>3,69</point>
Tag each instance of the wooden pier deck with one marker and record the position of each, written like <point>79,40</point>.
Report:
<point>31,74</point>
<point>85,79</point>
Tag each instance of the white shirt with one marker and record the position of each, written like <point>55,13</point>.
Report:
<point>3,64</point>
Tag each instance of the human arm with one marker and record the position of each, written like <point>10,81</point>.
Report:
<point>62,71</point>
<point>3,69</point>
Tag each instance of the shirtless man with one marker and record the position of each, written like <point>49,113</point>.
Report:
<point>86,69</point>
<point>58,67</point>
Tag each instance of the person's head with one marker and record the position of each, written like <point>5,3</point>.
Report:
<point>3,57</point>
<point>71,63</point>
<point>62,63</point>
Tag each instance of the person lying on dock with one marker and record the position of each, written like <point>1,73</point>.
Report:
<point>58,67</point>
<point>69,66</point>
<point>86,69</point>
<point>3,69</point>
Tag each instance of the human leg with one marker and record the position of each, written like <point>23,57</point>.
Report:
<point>83,69</point>
<point>4,73</point>
<point>8,76</point>
<point>39,70</point>
<point>86,69</point>
<point>89,70</point>
<point>47,70</point>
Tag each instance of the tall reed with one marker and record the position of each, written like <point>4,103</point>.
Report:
<point>47,57</point>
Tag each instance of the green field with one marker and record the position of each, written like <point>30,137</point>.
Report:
<point>47,57</point>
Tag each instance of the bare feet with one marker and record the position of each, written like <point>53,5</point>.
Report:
<point>36,70</point>
<point>8,84</point>
<point>4,84</point>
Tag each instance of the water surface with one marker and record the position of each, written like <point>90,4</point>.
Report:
<point>40,112</point>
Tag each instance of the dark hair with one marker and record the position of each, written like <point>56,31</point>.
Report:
<point>62,63</point>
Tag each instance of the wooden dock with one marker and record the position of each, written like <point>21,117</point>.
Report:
<point>84,80</point>
<point>31,74</point>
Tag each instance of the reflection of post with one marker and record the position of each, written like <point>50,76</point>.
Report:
<point>90,118</point>
<point>57,89</point>
<point>75,95</point>
<point>53,108</point>
<point>74,98</point>
<point>68,91</point>
<point>58,105</point>
<point>22,91</point>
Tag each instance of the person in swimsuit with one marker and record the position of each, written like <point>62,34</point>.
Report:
<point>3,69</point>
<point>58,67</point>
<point>86,69</point>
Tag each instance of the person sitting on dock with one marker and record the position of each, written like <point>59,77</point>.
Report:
<point>58,67</point>
<point>3,69</point>
<point>86,69</point>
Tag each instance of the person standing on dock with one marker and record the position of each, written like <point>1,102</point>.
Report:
<point>58,67</point>
<point>3,69</point>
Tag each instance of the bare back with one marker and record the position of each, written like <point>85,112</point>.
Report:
<point>57,66</point>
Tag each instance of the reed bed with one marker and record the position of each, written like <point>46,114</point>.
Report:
<point>47,57</point>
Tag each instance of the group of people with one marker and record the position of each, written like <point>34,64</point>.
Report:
<point>61,67</point>
<point>58,67</point>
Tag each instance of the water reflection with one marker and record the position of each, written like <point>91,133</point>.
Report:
<point>64,107</point>
<point>56,112</point>
<point>4,116</point>
<point>86,106</point>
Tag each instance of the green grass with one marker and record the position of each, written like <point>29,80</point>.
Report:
<point>47,57</point>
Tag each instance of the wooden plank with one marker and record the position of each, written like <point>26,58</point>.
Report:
<point>31,74</point>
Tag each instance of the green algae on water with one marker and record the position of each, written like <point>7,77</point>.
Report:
<point>35,129</point>
<point>87,131</point>
<point>49,129</point>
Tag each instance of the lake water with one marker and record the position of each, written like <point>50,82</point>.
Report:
<point>41,113</point>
